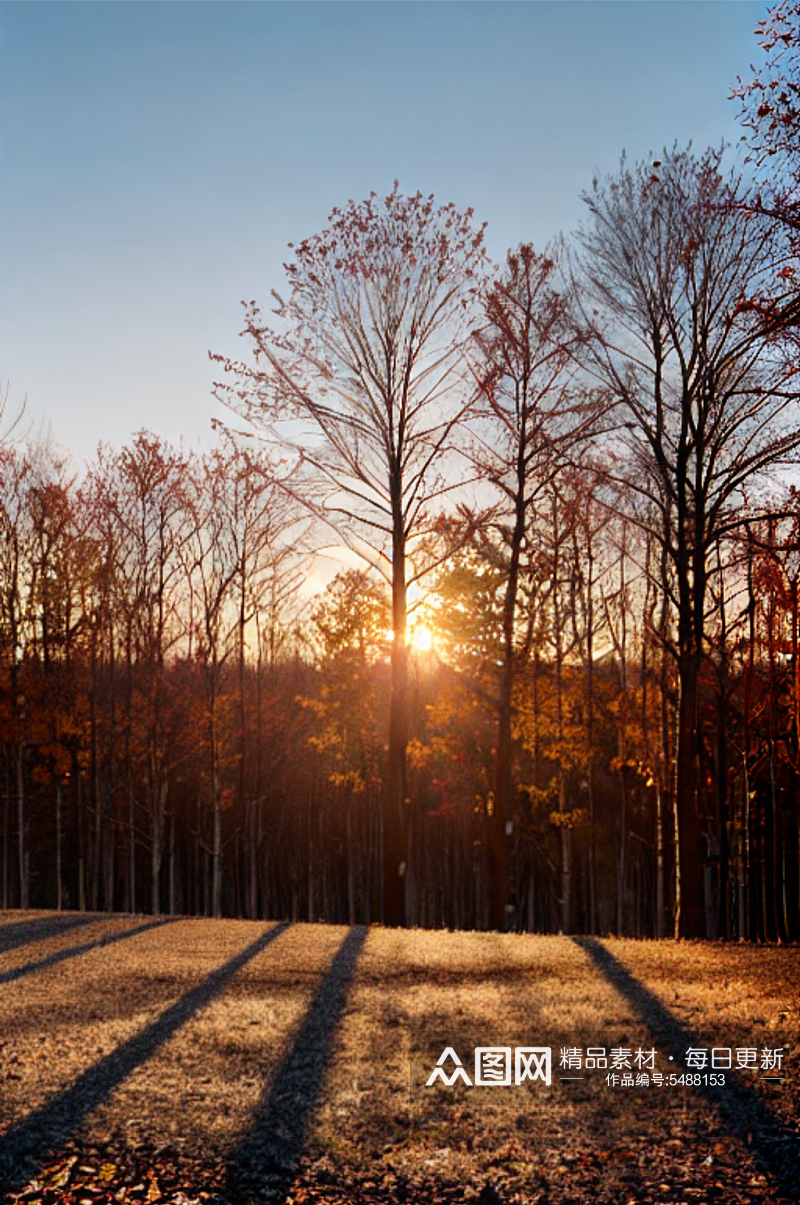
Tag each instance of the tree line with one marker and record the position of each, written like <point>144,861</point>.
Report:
<point>561,692</point>
<point>184,732</point>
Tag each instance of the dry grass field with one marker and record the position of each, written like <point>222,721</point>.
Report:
<point>186,1060</point>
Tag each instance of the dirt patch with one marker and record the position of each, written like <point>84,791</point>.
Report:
<point>239,1061</point>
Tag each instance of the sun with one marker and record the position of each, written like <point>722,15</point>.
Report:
<point>422,639</point>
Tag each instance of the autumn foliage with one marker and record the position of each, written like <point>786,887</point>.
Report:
<point>561,690</point>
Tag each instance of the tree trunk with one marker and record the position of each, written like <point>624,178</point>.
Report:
<point>394,846</point>
<point>351,859</point>
<point>59,851</point>
<point>157,847</point>
<point>216,857</point>
<point>590,728</point>
<point>690,919</point>
<point>566,879</point>
<point>7,798</point>
<point>172,882</point>
<point>659,925</point>
<point>76,776</point>
<point>503,762</point>
<point>22,821</point>
<point>622,877</point>
<point>131,857</point>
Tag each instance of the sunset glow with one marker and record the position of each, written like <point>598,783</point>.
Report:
<point>421,639</point>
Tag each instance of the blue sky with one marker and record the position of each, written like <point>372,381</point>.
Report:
<point>156,158</point>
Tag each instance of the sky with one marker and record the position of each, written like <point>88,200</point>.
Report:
<point>157,158</point>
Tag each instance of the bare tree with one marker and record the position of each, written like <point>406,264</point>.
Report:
<point>531,417</point>
<point>238,556</point>
<point>677,286</point>
<point>147,498</point>
<point>364,384</point>
<point>16,471</point>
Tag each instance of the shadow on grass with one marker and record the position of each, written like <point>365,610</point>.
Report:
<point>261,1167</point>
<point>26,1147</point>
<point>74,951</point>
<point>18,933</point>
<point>747,1117</point>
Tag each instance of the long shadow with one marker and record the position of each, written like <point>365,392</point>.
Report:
<point>747,1117</point>
<point>261,1167</point>
<point>74,951</point>
<point>25,1148</point>
<point>18,933</point>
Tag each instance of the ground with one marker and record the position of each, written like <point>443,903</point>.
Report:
<point>180,1060</point>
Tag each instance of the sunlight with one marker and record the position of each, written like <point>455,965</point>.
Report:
<point>421,639</point>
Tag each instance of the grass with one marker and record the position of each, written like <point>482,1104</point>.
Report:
<point>251,1062</point>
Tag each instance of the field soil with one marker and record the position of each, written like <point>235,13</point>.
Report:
<point>186,1060</point>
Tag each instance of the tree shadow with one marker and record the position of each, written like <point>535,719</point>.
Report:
<point>261,1167</point>
<point>26,1146</point>
<point>18,933</point>
<point>61,955</point>
<point>747,1117</point>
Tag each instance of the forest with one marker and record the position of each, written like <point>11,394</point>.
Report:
<point>554,685</point>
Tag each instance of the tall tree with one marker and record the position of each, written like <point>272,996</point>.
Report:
<point>264,537</point>
<point>351,623</point>
<point>676,285</point>
<point>214,566</point>
<point>59,559</point>
<point>368,363</point>
<point>150,506</point>
<point>532,417</point>
<point>16,471</point>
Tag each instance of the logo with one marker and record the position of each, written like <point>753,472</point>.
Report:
<point>493,1067</point>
